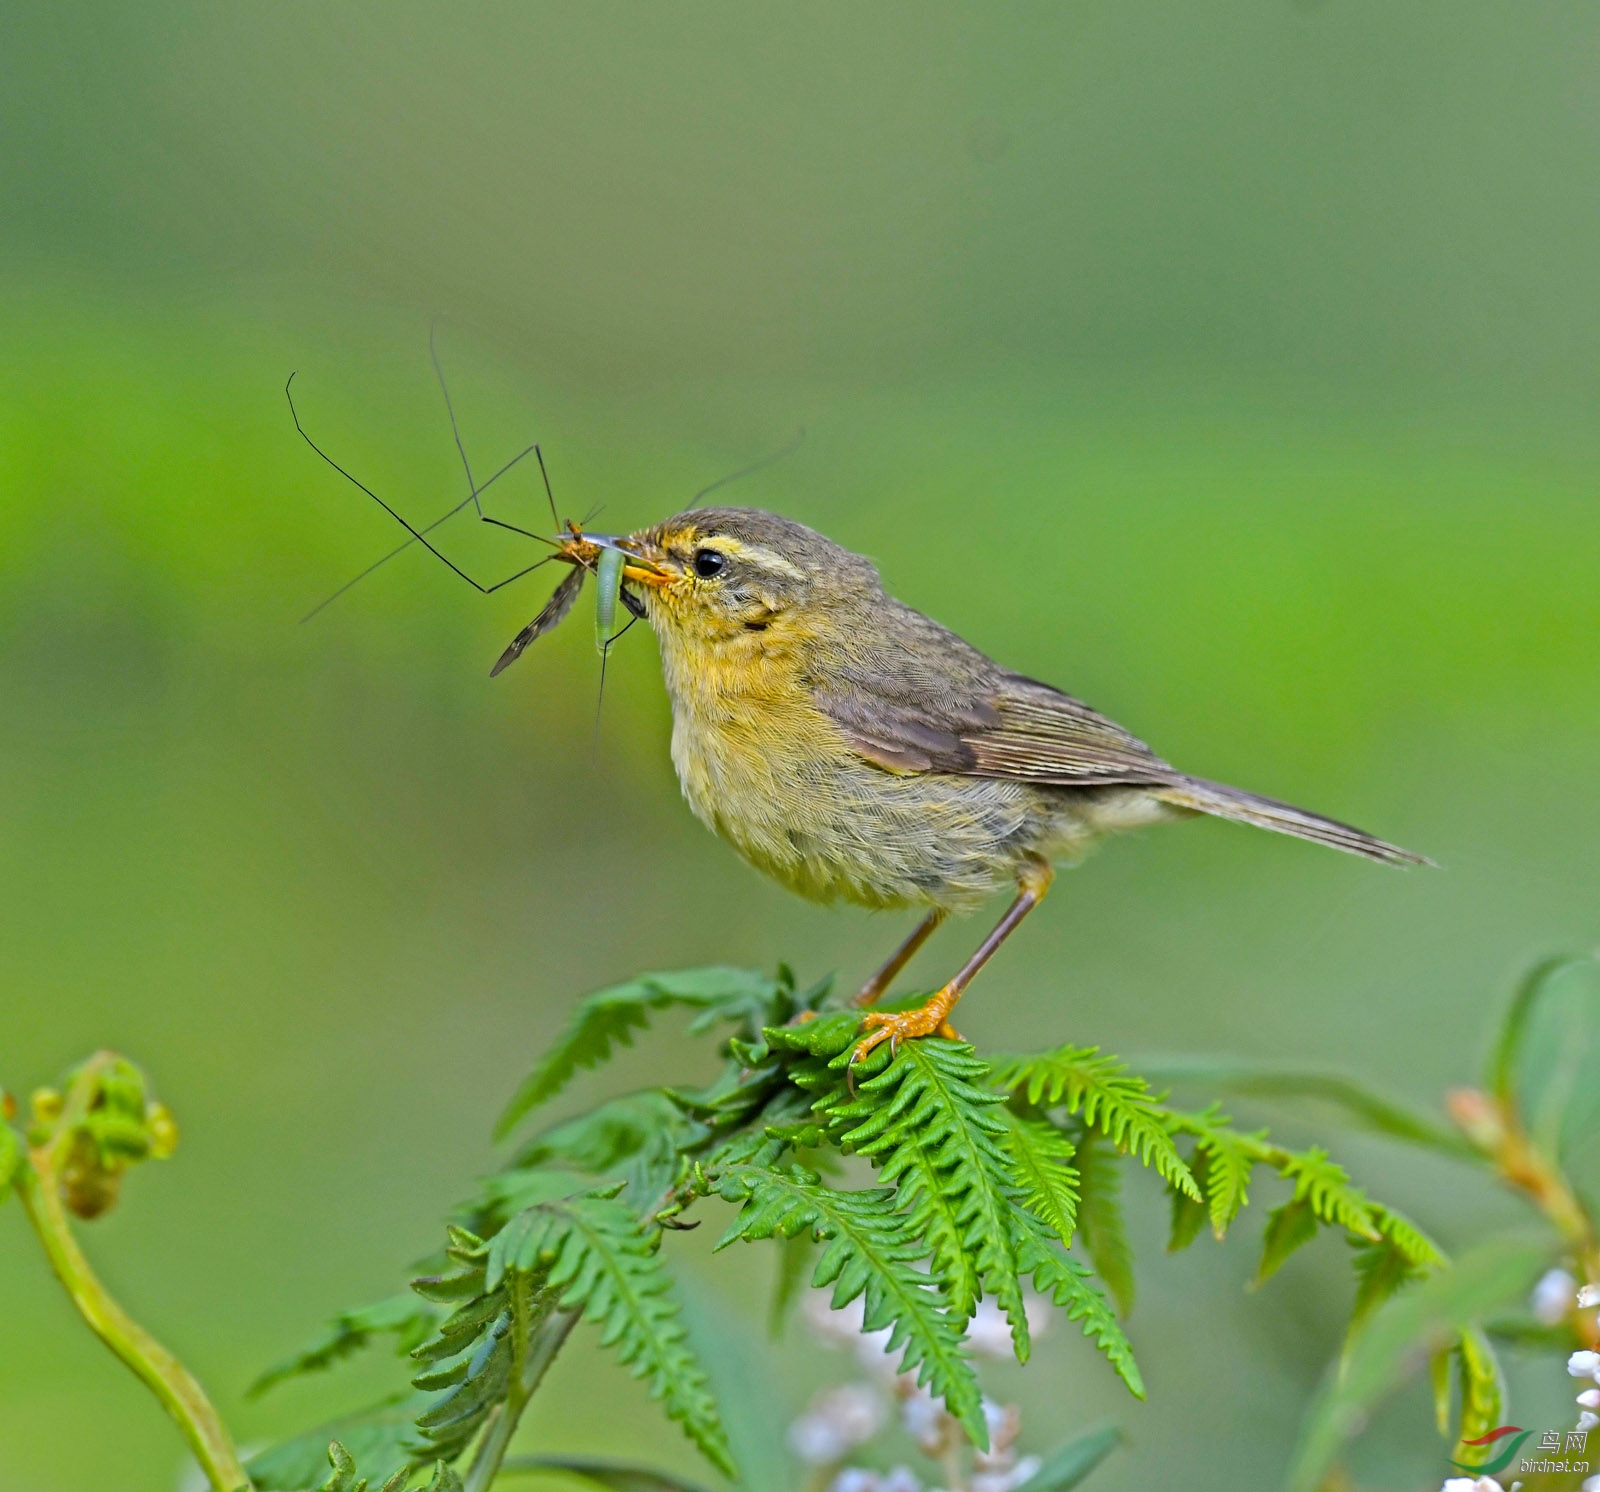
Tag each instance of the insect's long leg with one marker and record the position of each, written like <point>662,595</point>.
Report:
<point>555,517</point>
<point>450,409</point>
<point>473,490</point>
<point>753,467</point>
<point>405,544</point>
<point>417,536</point>
<point>605,655</point>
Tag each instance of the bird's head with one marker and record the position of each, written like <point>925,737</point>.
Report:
<point>720,579</point>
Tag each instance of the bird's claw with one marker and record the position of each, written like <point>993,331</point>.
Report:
<point>895,1026</point>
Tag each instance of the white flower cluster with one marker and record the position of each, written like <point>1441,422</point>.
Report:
<point>1586,1365</point>
<point>1472,1484</point>
<point>841,1419</point>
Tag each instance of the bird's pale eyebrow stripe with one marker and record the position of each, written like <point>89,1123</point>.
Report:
<point>760,556</point>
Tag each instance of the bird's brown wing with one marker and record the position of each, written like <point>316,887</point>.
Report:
<point>933,703</point>
<point>1044,735</point>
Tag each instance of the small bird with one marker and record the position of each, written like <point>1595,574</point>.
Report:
<point>856,750</point>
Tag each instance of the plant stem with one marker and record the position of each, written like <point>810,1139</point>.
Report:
<point>1495,1127</point>
<point>38,1188</point>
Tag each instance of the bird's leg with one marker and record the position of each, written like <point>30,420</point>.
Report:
<point>1032,883</point>
<point>875,988</point>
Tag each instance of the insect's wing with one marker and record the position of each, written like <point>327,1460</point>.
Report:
<point>556,608</point>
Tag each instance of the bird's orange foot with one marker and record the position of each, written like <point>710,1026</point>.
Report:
<point>895,1026</point>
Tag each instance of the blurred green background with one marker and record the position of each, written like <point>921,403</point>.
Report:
<point>1232,365</point>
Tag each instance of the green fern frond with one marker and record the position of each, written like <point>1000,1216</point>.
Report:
<point>609,1135</point>
<point>1226,1157</point>
<point>931,1124</point>
<point>473,1352</point>
<point>407,1319</point>
<point>1108,1097</point>
<point>1404,1253</point>
<point>1100,1222</point>
<point>1412,1243</point>
<point>609,1017</point>
<point>592,1254</point>
<point>1325,1185</point>
<point>1065,1282</point>
<point>869,1251</point>
<point>1042,1168</point>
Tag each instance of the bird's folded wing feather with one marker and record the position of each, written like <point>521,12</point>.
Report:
<point>942,706</point>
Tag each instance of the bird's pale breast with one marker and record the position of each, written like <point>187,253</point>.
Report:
<point>775,778</point>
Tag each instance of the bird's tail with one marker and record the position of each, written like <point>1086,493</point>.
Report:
<point>1225,802</point>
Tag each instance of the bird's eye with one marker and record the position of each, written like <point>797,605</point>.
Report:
<point>708,562</point>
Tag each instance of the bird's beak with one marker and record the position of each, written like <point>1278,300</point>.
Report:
<point>644,561</point>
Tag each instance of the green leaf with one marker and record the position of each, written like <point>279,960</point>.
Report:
<point>1043,1171</point>
<point>1483,1390</point>
<point>1065,1282</point>
<point>407,1319</point>
<point>1069,1464</point>
<point>595,1256</point>
<point>1109,1097</point>
<point>1100,1217</point>
<point>1357,1104</point>
<point>1288,1228</point>
<point>869,1252</point>
<point>1403,1333</point>
<point>1500,1076</point>
<point>933,1127</point>
<point>615,1476</point>
<point>609,1017</point>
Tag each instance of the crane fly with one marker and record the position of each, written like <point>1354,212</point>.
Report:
<point>608,557</point>
<point>602,555</point>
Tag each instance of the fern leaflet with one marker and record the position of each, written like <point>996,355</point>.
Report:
<point>609,1017</point>
<point>1109,1098</point>
<point>869,1252</point>
<point>1226,1157</point>
<point>1067,1284</point>
<point>593,1255</point>
<point>1042,1168</point>
<point>932,1126</point>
